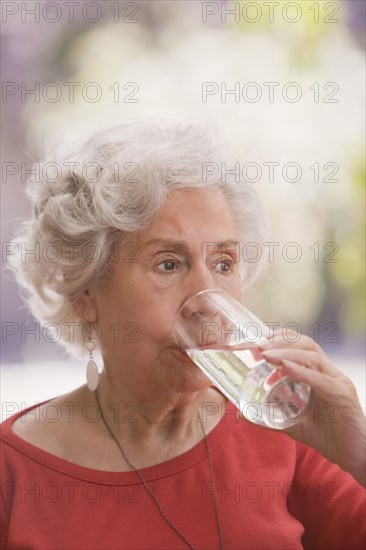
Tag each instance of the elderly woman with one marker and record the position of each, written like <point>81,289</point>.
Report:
<point>149,454</point>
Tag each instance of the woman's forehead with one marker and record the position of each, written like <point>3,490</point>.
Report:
<point>204,214</point>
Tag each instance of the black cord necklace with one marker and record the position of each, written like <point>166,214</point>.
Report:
<point>148,489</point>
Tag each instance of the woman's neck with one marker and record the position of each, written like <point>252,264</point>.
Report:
<point>160,415</point>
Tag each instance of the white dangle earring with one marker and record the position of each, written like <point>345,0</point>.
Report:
<point>92,374</point>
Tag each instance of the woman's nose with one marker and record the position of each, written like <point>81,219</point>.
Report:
<point>201,306</point>
<point>200,282</point>
<point>200,319</point>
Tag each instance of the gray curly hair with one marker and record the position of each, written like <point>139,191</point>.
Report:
<point>87,197</point>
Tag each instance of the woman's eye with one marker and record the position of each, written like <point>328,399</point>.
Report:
<point>168,265</point>
<point>225,266</point>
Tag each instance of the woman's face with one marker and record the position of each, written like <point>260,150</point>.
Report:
<point>156,271</point>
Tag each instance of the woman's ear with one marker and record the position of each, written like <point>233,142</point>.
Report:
<point>85,307</point>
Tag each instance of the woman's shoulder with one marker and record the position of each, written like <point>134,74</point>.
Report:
<point>49,425</point>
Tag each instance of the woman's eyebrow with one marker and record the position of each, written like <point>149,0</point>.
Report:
<point>182,246</point>
<point>227,245</point>
<point>177,246</point>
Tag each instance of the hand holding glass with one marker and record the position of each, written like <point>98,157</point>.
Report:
<point>221,337</point>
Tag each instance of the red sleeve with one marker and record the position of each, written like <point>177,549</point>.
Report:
<point>4,523</point>
<point>329,503</point>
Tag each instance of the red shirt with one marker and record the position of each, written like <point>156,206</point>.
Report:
<point>272,493</point>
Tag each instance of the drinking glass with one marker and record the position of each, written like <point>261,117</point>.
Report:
<point>221,337</point>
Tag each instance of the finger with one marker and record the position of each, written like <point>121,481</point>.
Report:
<point>325,386</point>
<point>310,359</point>
<point>293,340</point>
